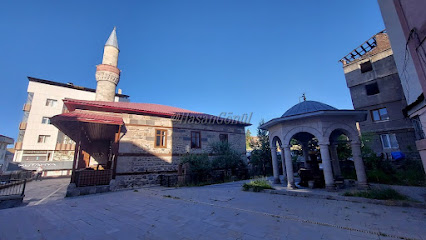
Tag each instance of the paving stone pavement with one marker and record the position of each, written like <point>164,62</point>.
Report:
<point>212,212</point>
<point>47,190</point>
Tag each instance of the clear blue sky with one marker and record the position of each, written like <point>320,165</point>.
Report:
<point>210,56</point>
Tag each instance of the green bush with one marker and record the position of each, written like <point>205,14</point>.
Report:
<point>379,176</point>
<point>199,163</point>
<point>411,173</point>
<point>378,193</point>
<point>257,185</point>
<point>380,170</point>
<point>226,157</point>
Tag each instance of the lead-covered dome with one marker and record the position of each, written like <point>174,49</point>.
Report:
<point>307,107</point>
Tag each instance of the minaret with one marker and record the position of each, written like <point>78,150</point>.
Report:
<point>107,73</point>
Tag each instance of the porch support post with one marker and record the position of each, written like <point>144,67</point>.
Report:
<point>77,151</point>
<point>305,149</point>
<point>283,165</point>
<point>335,160</point>
<point>326,165</point>
<point>275,164</point>
<point>359,164</point>
<point>289,167</point>
<point>75,161</point>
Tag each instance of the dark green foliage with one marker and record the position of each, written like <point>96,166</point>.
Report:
<point>378,193</point>
<point>343,148</point>
<point>226,157</point>
<point>261,159</point>
<point>380,170</point>
<point>257,185</point>
<point>226,165</point>
<point>199,163</point>
<point>411,173</point>
<point>248,139</point>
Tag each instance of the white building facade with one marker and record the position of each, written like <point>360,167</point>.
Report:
<point>39,143</point>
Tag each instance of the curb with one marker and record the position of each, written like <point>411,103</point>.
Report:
<point>349,199</point>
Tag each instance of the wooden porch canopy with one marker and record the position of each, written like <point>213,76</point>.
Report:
<point>94,126</point>
<point>94,134</point>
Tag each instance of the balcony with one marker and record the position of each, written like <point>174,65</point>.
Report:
<point>18,146</point>
<point>27,107</point>
<point>22,126</point>
<point>65,147</point>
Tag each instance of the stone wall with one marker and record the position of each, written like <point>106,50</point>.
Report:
<point>141,163</point>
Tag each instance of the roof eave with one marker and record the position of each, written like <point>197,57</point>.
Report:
<point>360,116</point>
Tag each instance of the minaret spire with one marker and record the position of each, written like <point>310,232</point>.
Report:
<point>107,73</point>
<point>112,40</point>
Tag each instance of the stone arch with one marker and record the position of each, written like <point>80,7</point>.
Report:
<point>351,133</point>
<point>276,140</point>
<point>311,130</point>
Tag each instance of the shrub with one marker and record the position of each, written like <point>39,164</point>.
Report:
<point>379,176</point>
<point>378,193</point>
<point>226,158</point>
<point>411,173</point>
<point>199,163</point>
<point>257,185</point>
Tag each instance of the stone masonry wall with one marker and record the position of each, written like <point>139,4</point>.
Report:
<point>140,162</point>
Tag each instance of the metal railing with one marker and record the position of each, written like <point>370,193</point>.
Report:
<point>13,188</point>
<point>18,175</point>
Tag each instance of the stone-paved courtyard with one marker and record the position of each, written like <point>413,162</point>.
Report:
<point>212,212</point>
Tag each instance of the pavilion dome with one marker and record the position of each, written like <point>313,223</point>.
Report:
<point>307,107</point>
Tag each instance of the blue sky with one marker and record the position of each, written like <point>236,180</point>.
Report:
<point>237,56</point>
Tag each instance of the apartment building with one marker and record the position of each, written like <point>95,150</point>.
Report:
<point>39,143</point>
<point>373,80</point>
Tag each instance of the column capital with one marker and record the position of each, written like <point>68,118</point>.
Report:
<point>324,143</point>
<point>285,146</point>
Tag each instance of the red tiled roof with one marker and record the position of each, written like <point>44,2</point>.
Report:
<point>148,108</point>
<point>137,108</point>
<point>87,117</point>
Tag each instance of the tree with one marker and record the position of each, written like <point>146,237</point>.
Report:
<point>261,159</point>
<point>248,139</point>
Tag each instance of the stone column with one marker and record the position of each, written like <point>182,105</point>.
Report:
<point>283,165</point>
<point>305,149</point>
<point>289,167</point>
<point>359,164</point>
<point>335,160</point>
<point>326,166</point>
<point>275,164</point>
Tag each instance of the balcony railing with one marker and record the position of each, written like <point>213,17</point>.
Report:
<point>27,107</point>
<point>18,146</point>
<point>65,146</point>
<point>22,126</point>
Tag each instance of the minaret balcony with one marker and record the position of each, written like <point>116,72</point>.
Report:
<point>108,68</point>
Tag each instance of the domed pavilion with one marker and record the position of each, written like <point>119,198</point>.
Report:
<point>310,120</point>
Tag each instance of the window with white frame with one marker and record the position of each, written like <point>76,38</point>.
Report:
<point>45,120</point>
<point>51,102</point>
<point>43,138</point>
<point>389,141</point>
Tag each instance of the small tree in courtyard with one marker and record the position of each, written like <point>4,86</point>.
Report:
<point>261,159</point>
